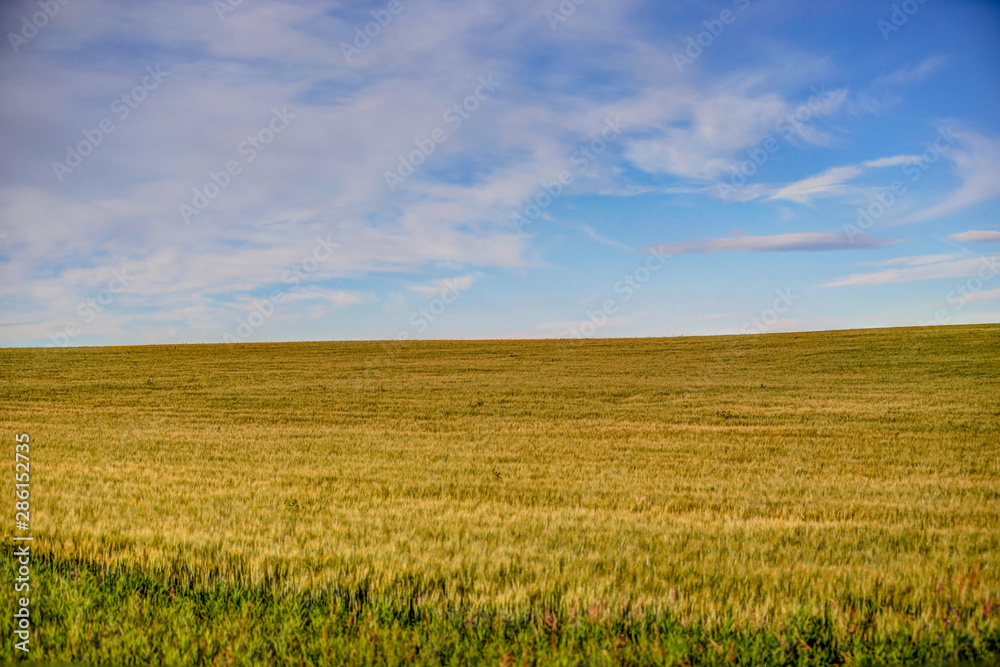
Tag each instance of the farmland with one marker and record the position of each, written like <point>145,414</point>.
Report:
<point>814,498</point>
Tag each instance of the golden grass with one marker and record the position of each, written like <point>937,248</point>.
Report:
<point>853,474</point>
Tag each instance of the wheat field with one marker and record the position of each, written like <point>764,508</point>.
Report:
<point>814,498</point>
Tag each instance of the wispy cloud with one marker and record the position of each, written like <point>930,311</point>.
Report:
<point>977,163</point>
<point>805,241</point>
<point>589,232</point>
<point>916,73</point>
<point>447,285</point>
<point>699,133</point>
<point>918,260</point>
<point>893,161</point>
<point>336,298</point>
<point>958,268</point>
<point>830,183</point>
<point>833,182</point>
<point>976,236</point>
<point>982,295</point>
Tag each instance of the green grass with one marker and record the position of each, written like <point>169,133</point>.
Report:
<point>798,498</point>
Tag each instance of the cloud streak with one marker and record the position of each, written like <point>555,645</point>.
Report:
<point>805,241</point>
<point>830,183</point>
<point>919,72</point>
<point>959,268</point>
<point>976,236</point>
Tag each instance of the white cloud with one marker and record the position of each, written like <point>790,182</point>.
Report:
<point>894,161</point>
<point>958,268</point>
<point>827,184</point>
<point>977,236</point>
<point>591,234</point>
<point>977,163</point>
<point>336,298</point>
<point>916,73</point>
<point>447,285</point>
<point>699,133</point>
<point>833,181</point>
<point>982,295</point>
<point>918,260</point>
<point>805,241</point>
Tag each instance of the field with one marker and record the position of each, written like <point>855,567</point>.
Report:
<point>808,498</point>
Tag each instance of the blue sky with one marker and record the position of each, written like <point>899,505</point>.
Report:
<point>266,171</point>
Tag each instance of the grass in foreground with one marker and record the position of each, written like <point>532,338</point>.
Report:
<point>114,615</point>
<point>802,498</point>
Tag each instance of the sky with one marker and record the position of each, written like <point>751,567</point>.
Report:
<point>249,170</point>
